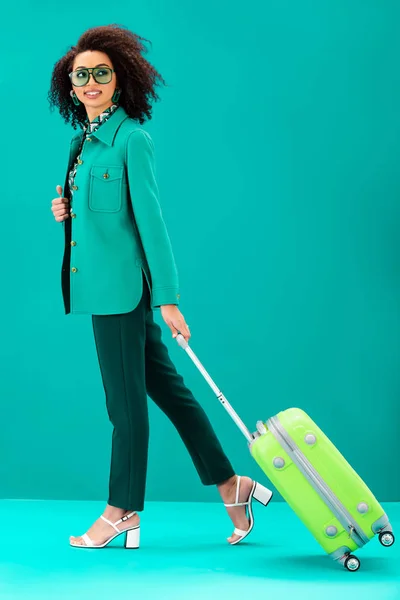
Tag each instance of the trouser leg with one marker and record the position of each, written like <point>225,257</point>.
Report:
<point>120,343</point>
<point>167,389</point>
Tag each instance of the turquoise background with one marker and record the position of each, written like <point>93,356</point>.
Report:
<point>277,145</point>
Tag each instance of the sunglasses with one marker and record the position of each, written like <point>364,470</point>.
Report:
<point>82,76</point>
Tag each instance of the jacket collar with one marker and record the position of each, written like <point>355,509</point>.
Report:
<point>107,132</point>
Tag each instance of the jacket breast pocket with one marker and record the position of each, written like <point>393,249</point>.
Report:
<point>105,190</point>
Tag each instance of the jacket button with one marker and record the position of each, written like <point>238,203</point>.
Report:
<point>178,296</point>
<point>80,162</point>
<point>73,215</point>
<point>106,175</point>
<point>88,139</point>
<point>74,269</point>
<point>74,187</point>
<point>73,243</point>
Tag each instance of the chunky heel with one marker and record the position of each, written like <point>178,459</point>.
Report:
<point>262,494</point>
<point>132,538</point>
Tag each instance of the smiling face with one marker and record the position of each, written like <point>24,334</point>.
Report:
<point>96,102</point>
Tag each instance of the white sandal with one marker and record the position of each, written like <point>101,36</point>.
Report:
<point>131,540</point>
<point>259,493</point>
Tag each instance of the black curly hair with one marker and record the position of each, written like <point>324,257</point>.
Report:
<point>137,78</point>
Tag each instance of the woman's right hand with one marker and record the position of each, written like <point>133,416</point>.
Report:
<point>60,206</point>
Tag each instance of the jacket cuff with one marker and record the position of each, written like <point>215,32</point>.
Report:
<point>166,295</point>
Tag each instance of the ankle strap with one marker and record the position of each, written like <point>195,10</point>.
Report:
<point>124,518</point>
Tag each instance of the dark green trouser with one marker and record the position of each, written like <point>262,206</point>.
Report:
<point>134,363</point>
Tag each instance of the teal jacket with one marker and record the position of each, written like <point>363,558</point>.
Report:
<point>116,228</point>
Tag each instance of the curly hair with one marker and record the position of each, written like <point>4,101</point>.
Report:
<point>137,78</point>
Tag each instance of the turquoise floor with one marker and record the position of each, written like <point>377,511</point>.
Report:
<point>183,555</point>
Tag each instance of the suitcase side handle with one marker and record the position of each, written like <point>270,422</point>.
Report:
<point>235,417</point>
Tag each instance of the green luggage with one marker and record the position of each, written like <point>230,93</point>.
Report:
<point>320,486</point>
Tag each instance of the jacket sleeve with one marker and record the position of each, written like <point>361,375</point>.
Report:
<point>146,207</point>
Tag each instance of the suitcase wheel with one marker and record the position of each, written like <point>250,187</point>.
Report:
<point>352,563</point>
<point>386,538</point>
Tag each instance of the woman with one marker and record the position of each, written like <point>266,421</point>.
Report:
<point>118,266</point>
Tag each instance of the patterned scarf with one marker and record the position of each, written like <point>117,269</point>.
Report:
<point>89,127</point>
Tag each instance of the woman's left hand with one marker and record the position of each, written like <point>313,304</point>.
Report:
<point>175,320</point>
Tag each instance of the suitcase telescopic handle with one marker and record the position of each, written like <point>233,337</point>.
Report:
<point>184,344</point>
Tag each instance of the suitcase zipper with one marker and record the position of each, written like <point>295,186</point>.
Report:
<point>321,487</point>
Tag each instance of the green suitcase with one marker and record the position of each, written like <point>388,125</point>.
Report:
<point>313,477</point>
<point>320,486</point>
